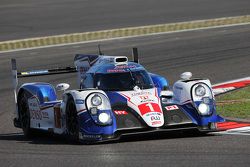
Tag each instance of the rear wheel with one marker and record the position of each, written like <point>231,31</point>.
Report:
<point>72,120</point>
<point>24,114</point>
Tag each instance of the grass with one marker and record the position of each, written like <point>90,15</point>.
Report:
<point>235,104</point>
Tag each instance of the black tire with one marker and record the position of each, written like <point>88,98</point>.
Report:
<point>72,120</point>
<point>24,115</point>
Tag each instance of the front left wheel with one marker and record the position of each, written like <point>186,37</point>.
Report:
<point>72,120</point>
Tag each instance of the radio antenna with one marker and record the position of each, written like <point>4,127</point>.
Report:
<point>99,49</point>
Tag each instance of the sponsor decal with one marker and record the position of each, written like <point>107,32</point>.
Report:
<point>79,101</point>
<point>156,123</point>
<point>35,72</point>
<point>154,118</point>
<point>115,70</point>
<point>120,112</point>
<point>145,99</point>
<point>35,111</point>
<point>84,136</point>
<point>125,66</point>
<point>38,115</point>
<point>173,107</point>
<point>153,113</point>
<point>141,93</point>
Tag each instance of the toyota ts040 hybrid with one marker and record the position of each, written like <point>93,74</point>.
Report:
<point>115,97</point>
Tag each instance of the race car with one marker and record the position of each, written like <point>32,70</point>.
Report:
<point>115,97</point>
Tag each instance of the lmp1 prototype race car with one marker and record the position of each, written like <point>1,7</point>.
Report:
<point>116,97</point>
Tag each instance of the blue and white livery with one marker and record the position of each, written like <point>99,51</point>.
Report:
<point>115,97</point>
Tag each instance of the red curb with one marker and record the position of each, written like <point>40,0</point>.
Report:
<point>231,125</point>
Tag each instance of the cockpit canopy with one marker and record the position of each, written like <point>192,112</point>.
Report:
<point>118,81</point>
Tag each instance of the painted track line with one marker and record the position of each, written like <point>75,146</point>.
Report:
<point>86,37</point>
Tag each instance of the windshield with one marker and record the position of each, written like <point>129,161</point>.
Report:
<point>123,81</point>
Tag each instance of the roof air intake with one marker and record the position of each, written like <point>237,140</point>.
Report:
<point>121,60</point>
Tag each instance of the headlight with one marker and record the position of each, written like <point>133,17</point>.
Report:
<point>204,109</point>
<point>206,100</point>
<point>104,118</point>
<point>93,111</point>
<point>99,108</point>
<point>200,90</point>
<point>96,100</point>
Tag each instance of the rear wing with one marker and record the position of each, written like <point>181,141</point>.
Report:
<point>32,73</point>
<point>61,70</point>
<point>88,59</point>
<point>20,74</point>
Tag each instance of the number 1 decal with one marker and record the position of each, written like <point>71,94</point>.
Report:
<point>149,107</point>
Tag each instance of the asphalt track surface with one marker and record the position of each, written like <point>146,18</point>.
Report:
<point>220,54</point>
<point>32,18</point>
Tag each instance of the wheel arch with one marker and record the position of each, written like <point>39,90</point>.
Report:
<point>45,92</point>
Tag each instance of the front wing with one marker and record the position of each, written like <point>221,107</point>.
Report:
<point>176,118</point>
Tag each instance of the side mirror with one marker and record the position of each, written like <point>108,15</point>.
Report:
<point>186,75</point>
<point>167,94</point>
<point>62,87</point>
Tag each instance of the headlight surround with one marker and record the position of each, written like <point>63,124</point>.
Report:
<point>96,100</point>
<point>200,91</point>
<point>203,98</point>
<point>99,108</point>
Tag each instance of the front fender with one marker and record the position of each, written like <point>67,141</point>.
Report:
<point>88,127</point>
